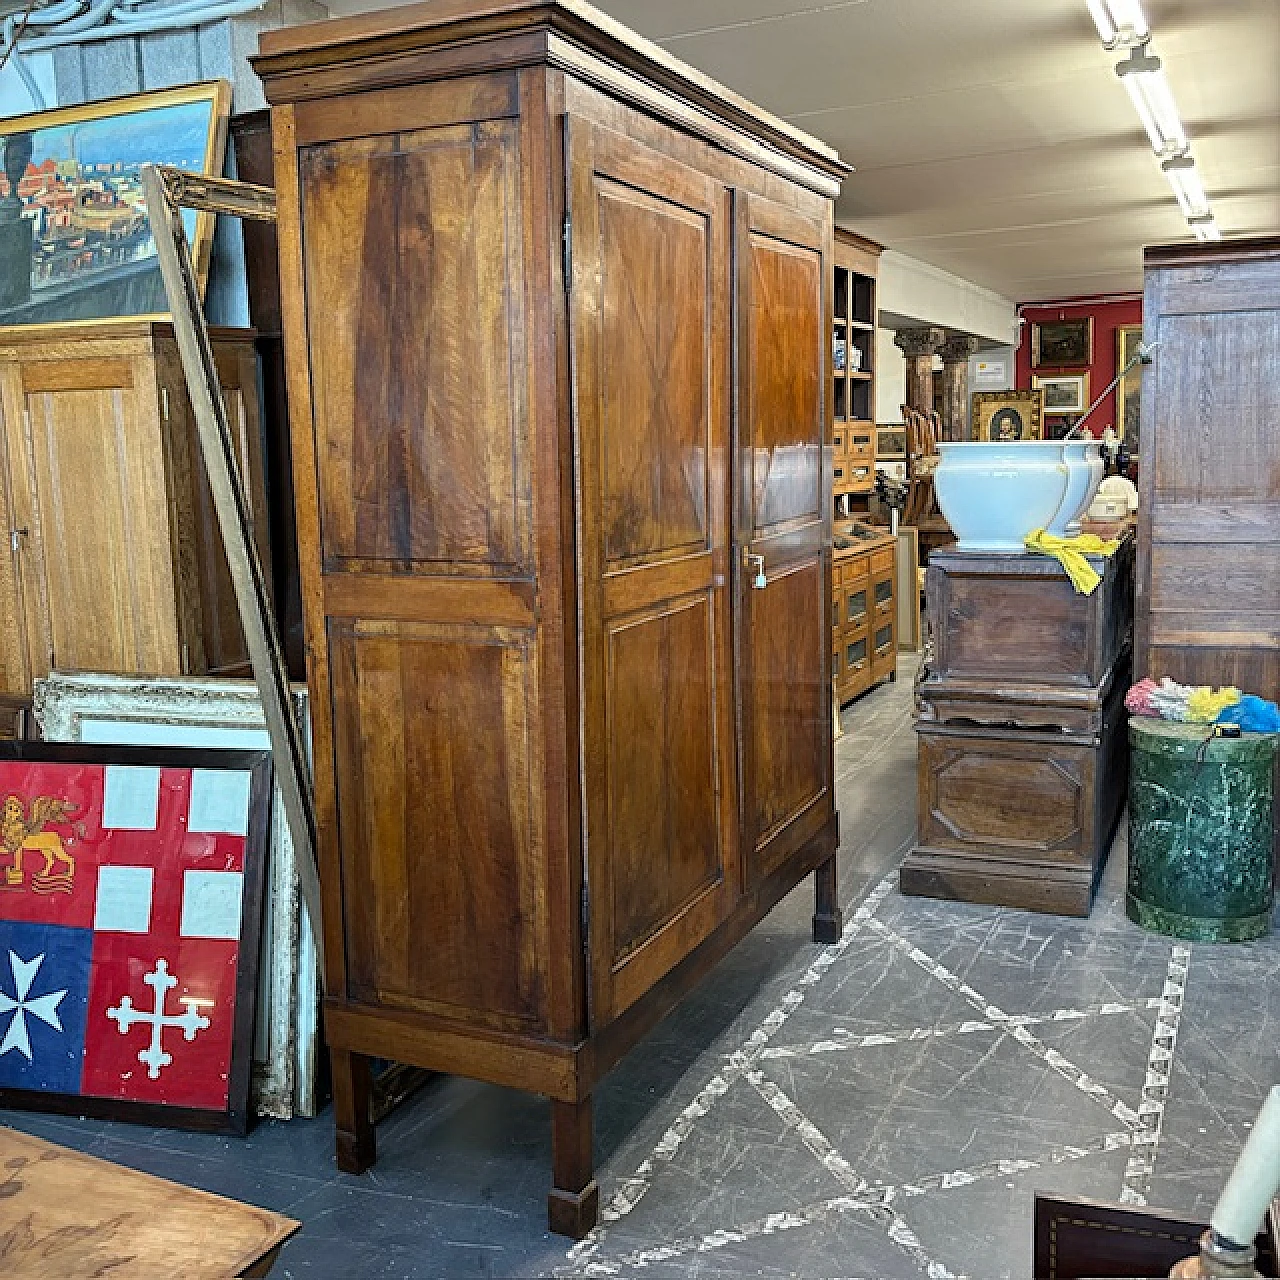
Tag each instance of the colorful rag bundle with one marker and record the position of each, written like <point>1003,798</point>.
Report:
<point>1199,704</point>
<point>1071,554</point>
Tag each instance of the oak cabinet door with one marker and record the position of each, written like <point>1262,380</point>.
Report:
<point>650,314</point>
<point>86,476</point>
<point>783,533</point>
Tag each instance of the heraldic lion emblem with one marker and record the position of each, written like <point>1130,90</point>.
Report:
<point>21,835</point>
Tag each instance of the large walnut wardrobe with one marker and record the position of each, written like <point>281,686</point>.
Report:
<point>558,332</point>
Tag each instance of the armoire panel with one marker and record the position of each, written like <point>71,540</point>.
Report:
<point>785,387</point>
<point>664,836</point>
<point>791,702</point>
<point>654,370</point>
<point>440,835</point>
<point>415,315</point>
<point>1193,463</point>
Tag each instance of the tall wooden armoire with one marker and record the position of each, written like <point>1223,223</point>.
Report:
<point>557,315</point>
<point>1208,590</point>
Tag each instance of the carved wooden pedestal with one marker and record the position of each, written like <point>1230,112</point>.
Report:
<point>1023,753</point>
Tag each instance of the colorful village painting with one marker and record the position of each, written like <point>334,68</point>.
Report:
<point>76,244</point>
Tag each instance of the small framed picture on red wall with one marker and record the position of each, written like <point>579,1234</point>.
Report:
<point>1062,344</point>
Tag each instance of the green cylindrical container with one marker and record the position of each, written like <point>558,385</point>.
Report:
<point>1201,831</point>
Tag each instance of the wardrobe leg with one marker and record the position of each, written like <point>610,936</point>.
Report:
<point>355,1146</point>
<point>828,919</point>
<point>574,1202</point>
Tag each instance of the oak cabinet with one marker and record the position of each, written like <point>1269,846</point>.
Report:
<point>557,317</point>
<point>115,561</point>
<point>1208,607</point>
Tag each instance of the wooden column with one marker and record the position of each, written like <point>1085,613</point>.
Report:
<point>920,346</point>
<point>955,354</point>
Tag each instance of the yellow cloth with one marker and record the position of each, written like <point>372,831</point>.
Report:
<point>1204,704</point>
<point>1070,554</point>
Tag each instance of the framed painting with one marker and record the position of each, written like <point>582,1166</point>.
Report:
<point>1007,415</point>
<point>1063,393</point>
<point>75,240</point>
<point>891,442</point>
<point>185,711</point>
<point>130,902</point>
<point>1062,344</point>
<point>1129,392</point>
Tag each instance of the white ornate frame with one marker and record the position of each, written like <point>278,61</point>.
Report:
<point>198,711</point>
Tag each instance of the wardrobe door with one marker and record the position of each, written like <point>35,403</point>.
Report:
<point>783,530</point>
<point>650,344</point>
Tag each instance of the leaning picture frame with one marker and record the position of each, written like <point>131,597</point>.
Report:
<point>1129,392</point>
<point>76,245</point>
<point>1007,415</point>
<point>209,711</point>
<point>132,885</point>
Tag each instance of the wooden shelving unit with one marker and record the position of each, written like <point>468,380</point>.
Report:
<point>853,344</point>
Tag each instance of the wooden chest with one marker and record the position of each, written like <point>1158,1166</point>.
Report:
<point>1018,817</point>
<point>557,321</point>
<point>1004,622</point>
<point>1022,744</point>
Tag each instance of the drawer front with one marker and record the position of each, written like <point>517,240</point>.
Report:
<point>1002,796</point>
<point>881,598</point>
<point>882,561</point>
<point>855,658</point>
<point>840,441</point>
<point>860,445</point>
<point>855,610</point>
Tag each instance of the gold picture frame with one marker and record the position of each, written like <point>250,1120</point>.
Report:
<point>78,249</point>
<point>1129,392</point>
<point>1062,344</point>
<point>1008,415</point>
<point>1064,393</point>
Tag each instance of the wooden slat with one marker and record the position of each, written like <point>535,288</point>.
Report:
<point>479,601</point>
<point>77,375</point>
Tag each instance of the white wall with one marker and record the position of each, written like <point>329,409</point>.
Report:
<point>925,294</point>
<point>891,378</point>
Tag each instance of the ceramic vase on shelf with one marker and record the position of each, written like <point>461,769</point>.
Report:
<point>994,493</point>
<point>1084,475</point>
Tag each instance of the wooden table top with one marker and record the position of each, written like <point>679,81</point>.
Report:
<point>64,1215</point>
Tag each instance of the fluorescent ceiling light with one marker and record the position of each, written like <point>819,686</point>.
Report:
<point>1143,76</point>
<point>1184,178</point>
<point>1205,228</point>
<point>1119,22</point>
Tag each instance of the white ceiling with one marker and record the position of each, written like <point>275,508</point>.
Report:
<point>992,138</point>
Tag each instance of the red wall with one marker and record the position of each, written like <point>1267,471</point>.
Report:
<point>1108,316</point>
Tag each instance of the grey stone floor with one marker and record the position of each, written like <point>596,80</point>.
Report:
<point>883,1107</point>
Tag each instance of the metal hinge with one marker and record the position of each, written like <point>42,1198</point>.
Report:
<point>566,251</point>
<point>585,917</point>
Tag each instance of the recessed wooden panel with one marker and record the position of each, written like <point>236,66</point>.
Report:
<point>786,380</point>
<point>440,860</point>
<point>413,266</point>
<point>655,369</point>
<point>981,799</point>
<point>1217,433</point>
<point>97,475</point>
<point>791,700</point>
<point>664,829</point>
